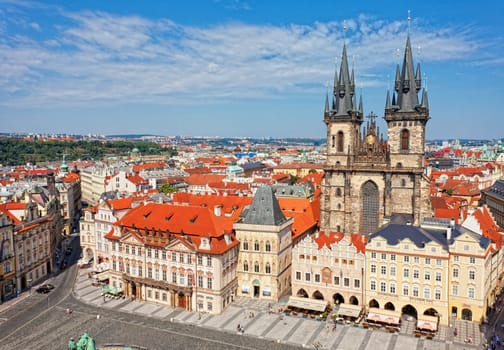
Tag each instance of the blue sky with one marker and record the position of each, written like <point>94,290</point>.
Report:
<point>251,68</point>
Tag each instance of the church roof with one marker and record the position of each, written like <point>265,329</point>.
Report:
<point>264,209</point>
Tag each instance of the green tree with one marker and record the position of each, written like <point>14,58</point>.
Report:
<point>167,188</point>
<point>293,179</point>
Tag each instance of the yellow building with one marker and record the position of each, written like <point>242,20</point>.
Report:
<point>264,260</point>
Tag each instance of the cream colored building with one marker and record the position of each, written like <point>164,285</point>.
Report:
<point>407,271</point>
<point>330,267</point>
<point>265,236</point>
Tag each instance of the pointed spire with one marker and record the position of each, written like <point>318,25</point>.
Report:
<point>326,109</point>
<point>335,86</point>
<point>344,95</point>
<point>397,85</point>
<point>264,209</point>
<point>418,78</point>
<point>407,98</point>
<point>425,99</point>
<point>360,105</point>
<point>393,99</point>
<point>354,103</point>
<point>387,102</point>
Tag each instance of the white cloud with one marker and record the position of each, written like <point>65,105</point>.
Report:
<point>101,57</point>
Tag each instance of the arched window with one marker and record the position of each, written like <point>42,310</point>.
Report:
<point>268,246</point>
<point>245,266</point>
<point>268,268</point>
<point>245,245</point>
<point>404,140</point>
<point>256,267</point>
<point>256,246</point>
<point>340,141</point>
<point>333,143</point>
<point>403,183</point>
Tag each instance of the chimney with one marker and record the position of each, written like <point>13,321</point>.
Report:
<point>218,210</point>
<point>448,233</point>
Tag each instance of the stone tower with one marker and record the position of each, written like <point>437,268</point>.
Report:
<point>264,260</point>
<point>369,181</point>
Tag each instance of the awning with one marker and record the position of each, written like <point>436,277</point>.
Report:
<point>307,304</point>
<point>102,276</point>
<point>384,316</point>
<point>349,310</point>
<point>429,323</point>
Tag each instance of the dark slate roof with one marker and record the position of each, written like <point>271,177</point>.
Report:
<point>395,233</point>
<point>264,209</point>
<point>496,190</point>
<point>254,165</point>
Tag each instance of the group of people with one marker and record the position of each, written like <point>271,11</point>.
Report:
<point>240,329</point>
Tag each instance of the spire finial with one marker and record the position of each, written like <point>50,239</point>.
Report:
<point>409,22</point>
<point>344,31</point>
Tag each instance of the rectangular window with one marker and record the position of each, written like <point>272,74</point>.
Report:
<point>406,273</point>
<point>149,272</point>
<point>373,268</point>
<point>392,271</point>
<point>174,257</point>
<point>336,280</point>
<point>472,260</point>
<point>156,253</point>
<point>406,258</point>
<point>470,293</point>
<point>163,255</point>
<point>455,290</point>
<point>438,276</point>
<point>455,273</point>
<point>127,249</point>
<point>181,257</point>
<point>346,282</point>
<point>190,280</point>
<point>415,291</point>
<point>383,287</point>
<point>356,283</point>
<point>156,295</point>
<point>165,277</point>
<point>373,255</point>
<point>438,262</point>
<point>165,297</point>
<point>139,251</point>
<point>149,252</point>
<point>140,272</point>
<point>416,259</point>
<point>307,276</point>
<point>472,275</point>
<point>209,261</point>
<point>437,294</point>
<point>456,258</point>
<point>373,285</point>
<point>416,274</point>
<point>209,306</point>
<point>200,260</point>
<point>392,288</point>
<point>405,290</point>
<point>174,277</point>
<point>188,258</point>
<point>393,257</point>
<point>156,274</point>
<point>149,293</point>
<point>383,270</point>
<point>200,281</point>
<point>114,265</point>
<point>298,275</point>
<point>427,261</point>
<point>182,279</point>
<point>427,293</point>
<point>133,252</point>
<point>209,283</point>
<point>317,278</point>
<point>427,275</point>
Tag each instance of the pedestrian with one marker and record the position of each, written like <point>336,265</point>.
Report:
<point>238,328</point>
<point>334,327</point>
<point>242,330</point>
<point>104,299</point>
<point>455,332</point>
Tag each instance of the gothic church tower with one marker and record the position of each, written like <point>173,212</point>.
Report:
<point>369,181</point>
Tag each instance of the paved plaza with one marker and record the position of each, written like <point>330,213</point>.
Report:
<point>258,321</point>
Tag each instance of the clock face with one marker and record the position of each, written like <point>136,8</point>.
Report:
<point>370,139</point>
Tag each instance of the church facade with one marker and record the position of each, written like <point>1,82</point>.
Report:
<point>370,181</point>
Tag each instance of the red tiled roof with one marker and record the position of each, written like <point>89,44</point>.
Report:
<point>149,166</point>
<point>203,179</point>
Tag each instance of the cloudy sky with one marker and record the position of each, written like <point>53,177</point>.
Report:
<point>239,68</point>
